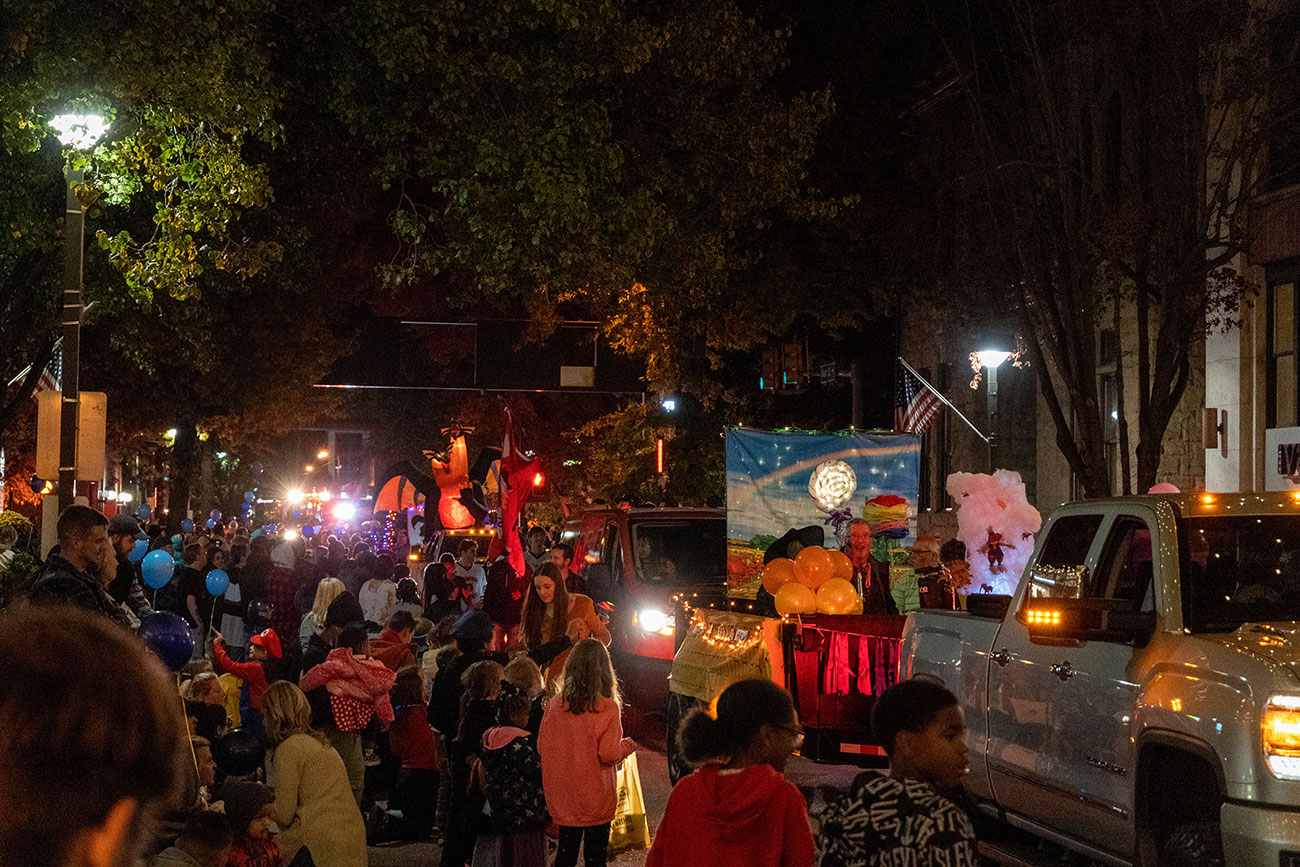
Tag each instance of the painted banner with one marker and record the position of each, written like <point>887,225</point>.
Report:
<point>777,482</point>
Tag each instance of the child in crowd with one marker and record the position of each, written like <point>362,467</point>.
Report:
<point>481,683</point>
<point>523,674</point>
<point>738,808</point>
<point>581,744</point>
<point>261,670</point>
<point>902,818</point>
<point>248,809</point>
<point>205,842</point>
<point>513,775</point>
<point>412,740</point>
<point>358,686</point>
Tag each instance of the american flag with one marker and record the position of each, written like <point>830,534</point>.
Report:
<point>916,403</point>
<point>51,377</point>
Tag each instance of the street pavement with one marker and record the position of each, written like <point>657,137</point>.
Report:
<point>808,776</point>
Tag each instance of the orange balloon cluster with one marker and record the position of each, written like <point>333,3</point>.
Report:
<point>816,580</point>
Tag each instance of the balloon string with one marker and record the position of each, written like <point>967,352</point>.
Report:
<point>189,736</point>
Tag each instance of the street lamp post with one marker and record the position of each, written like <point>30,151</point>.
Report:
<point>991,360</point>
<point>76,132</point>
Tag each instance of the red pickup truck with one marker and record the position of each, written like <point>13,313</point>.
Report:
<point>636,560</point>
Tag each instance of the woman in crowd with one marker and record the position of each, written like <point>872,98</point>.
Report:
<point>548,611</point>
<point>581,744</point>
<point>314,622</point>
<point>738,808</point>
<point>313,807</point>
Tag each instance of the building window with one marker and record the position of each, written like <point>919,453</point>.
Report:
<point>1283,168</point>
<point>1281,375</point>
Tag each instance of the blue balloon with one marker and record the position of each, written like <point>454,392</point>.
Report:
<point>168,636</point>
<point>309,531</point>
<point>245,509</point>
<point>249,496</point>
<point>212,522</point>
<point>217,582</point>
<point>187,526</point>
<point>37,484</point>
<point>215,514</point>
<point>145,511</point>
<point>297,513</point>
<point>156,569</point>
<point>137,553</point>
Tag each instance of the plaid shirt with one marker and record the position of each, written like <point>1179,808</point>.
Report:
<point>61,582</point>
<point>280,589</point>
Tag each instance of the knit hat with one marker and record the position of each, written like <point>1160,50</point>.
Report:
<point>123,525</point>
<point>473,626</point>
<point>244,801</point>
<point>343,610</point>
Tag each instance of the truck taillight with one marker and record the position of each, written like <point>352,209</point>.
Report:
<point>1280,727</point>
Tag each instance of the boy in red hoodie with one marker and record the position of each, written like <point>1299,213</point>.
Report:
<point>738,808</point>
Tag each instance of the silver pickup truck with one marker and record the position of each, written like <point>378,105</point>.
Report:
<point>1138,699</point>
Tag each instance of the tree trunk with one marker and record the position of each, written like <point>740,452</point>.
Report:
<point>184,466</point>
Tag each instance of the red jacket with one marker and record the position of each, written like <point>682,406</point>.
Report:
<point>389,649</point>
<point>251,672</point>
<point>412,740</point>
<point>752,816</point>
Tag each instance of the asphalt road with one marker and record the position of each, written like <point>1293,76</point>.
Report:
<point>809,777</point>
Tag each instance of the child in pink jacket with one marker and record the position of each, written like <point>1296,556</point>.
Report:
<point>357,685</point>
<point>581,745</point>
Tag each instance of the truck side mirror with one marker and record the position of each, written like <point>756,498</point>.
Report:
<point>1058,621</point>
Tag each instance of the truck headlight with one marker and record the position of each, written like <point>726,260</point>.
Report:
<point>1280,727</point>
<point>654,620</point>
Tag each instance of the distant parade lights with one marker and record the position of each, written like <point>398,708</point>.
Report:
<point>294,497</point>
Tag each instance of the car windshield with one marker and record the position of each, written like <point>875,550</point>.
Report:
<point>685,552</point>
<point>1241,569</point>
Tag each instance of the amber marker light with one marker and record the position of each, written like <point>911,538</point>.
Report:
<point>1207,499</point>
<point>1043,617</point>
<point>1280,728</point>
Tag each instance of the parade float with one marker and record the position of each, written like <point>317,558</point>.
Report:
<point>799,560</point>
<point>813,520</point>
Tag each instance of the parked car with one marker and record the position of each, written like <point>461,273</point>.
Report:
<point>1137,700</point>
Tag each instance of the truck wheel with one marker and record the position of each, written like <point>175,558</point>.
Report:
<point>1198,844</point>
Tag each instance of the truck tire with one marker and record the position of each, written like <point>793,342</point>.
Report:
<point>1197,844</point>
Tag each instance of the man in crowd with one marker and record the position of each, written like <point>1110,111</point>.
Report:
<point>536,553</point>
<point>69,575</point>
<point>469,577</point>
<point>126,585</point>
<point>89,751</point>
<point>562,556</point>
<point>193,589</point>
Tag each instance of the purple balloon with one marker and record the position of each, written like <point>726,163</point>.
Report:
<point>169,637</point>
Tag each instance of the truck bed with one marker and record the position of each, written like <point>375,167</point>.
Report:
<point>957,646</point>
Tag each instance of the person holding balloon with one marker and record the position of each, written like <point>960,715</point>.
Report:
<point>820,581</point>
<point>262,669</point>
<point>126,585</point>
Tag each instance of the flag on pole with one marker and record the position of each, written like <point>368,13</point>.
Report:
<point>51,377</point>
<point>916,403</point>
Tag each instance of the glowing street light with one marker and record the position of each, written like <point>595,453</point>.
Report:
<point>76,132</point>
<point>991,360</point>
<point>322,454</point>
<point>307,468</point>
<point>294,497</point>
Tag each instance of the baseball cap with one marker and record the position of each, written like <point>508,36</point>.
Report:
<point>123,525</point>
<point>268,641</point>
